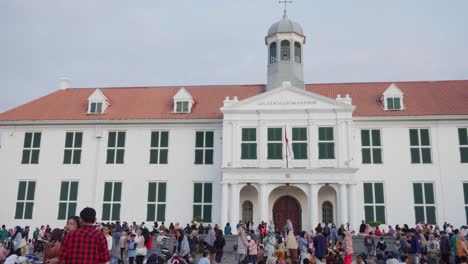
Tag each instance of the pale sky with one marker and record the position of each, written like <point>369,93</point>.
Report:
<point>117,43</point>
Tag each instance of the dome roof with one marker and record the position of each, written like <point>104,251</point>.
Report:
<point>285,26</point>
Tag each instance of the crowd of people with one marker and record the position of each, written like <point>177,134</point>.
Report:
<point>83,240</point>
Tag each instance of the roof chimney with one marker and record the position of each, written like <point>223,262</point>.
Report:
<point>64,83</point>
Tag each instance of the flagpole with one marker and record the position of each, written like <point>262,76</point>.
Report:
<point>286,146</point>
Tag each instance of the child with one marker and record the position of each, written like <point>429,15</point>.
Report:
<point>131,249</point>
<point>206,258</point>
<point>381,246</point>
<point>123,244</point>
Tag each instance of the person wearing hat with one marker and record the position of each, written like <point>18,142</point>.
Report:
<point>252,250</point>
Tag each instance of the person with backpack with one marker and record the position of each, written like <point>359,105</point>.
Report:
<point>219,244</point>
<point>369,244</point>
<point>381,246</point>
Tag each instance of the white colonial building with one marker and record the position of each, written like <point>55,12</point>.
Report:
<point>388,152</point>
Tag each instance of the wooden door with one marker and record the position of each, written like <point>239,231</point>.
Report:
<point>287,207</point>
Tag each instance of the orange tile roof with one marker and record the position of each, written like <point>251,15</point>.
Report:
<point>133,103</point>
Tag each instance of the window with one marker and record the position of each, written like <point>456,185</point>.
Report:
<point>327,212</point>
<point>297,52</point>
<point>465,195</point>
<point>182,107</point>
<point>463,140</point>
<point>247,211</point>
<point>249,144</point>
<point>204,147</point>
<point>285,50</point>
<point>393,103</point>
<point>156,207</point>
<point>95,108</point>
<point>31,148</point>
<point>371,146</point>
<point>273,52</point>
<point>299,142</point>
<point>159,147</point>
<point>420,146</point>
<point>374,202</point>
<point>72,152</point>
<point>202,201</point>
<point>25,200</point>
<point>68,198</point>
<point>115,148</point>
<point>424,203</point>
<point>275,143</point>
<point>112,199</point>
<point>326,143</point>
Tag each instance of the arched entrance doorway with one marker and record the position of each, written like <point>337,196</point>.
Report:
<point>247,211</point>
<point>327,212</point>
<point>287,207</point>
<point>327,203</point>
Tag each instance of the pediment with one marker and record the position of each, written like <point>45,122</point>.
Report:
<point>287,98</point>
<point>183,94</point>
<point>393,90</point>
<point>97,96</point>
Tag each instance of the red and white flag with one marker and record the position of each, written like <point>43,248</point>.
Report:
<point>289,153</point>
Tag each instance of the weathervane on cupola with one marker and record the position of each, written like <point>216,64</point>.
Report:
<point>284,41</point>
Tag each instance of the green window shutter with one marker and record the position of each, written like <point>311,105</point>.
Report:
<point>275,151</point>
<point>197,210</point>
<point>164,139</point>
<point>462,136</point>
<point>178,107</point>
<point>299,133</point>
<point>150,212</point>
<point>198,156</point>
<point>366,156</point>
<point>69,139</point>
<point>152,192</point>
<point>325,133</point>
<point>110,156</point>
<point>419,213</point>
<point>209,139</point>
<point>431,215</point>
<point>37,140</point>
<point>106,212</point>
<point>249,134</point>
<point>116,211</point>
<point>207,213</point>
<point>67,159</point>
<point>31,190</point>
<point>161,212</point>
<point>380,213</point>
<point>25,157</point>
<point>117,191</point>
<point>429,193</point>
<point>154,139</point>
<point>21,191</point>
<point>35,156</point>
<point>64,191</point>
<point>185,107</point>
<point>368,198</point>
<point>19,210</point>
<point>111,140</point>
<point>27,140</point>
<point>28,210</point>
<point>275,134</point>
<point>197,193</point>
<point>390,104</point>
<point>74,191</point>
<point>199,138</point>
<point>120,156</point>
<point>107,191</point>
<point>98,107</point>
<point>153,156</point>
<point>71,209</point>
<point>414,137</point>
<point>62,212</point>
<point>121,140</point>
<point>466,213</point>
<point>418,194</point>
<point>464,155</point>
<point>249,151</point>
<point>397,103</point>
<point>365,138</point>
<point>77,156</point>
<point>377,155</point>
<point>208,156</point>
<point>465,192</point>
<point>379,192</point>
<point>326,150</point>
<point>163,156</point>
<point>208,193</point>
<point>415,156</point>
<point>375,137</point>
<point>426,155</point>
<point>162,192</point>
<point>425,141</point>
<point>93,108</point>
<point>369,213</point>
<point>78,139</point>
<point>299,151</point>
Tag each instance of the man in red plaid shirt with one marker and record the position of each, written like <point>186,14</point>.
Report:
<point>85,245</point>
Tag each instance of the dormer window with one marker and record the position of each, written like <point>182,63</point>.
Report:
<point>97,103</point>
<point>183,102</point>
<point>392,99</point>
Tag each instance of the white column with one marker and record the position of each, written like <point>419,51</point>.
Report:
<point>224,203</point>
<point>343,205</point>
<point>234,210</point>
<point>313,207</point>
<point>263,203</point>
<point>352,206</point>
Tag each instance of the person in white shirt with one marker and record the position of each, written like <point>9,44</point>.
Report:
<point>206,258</point>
